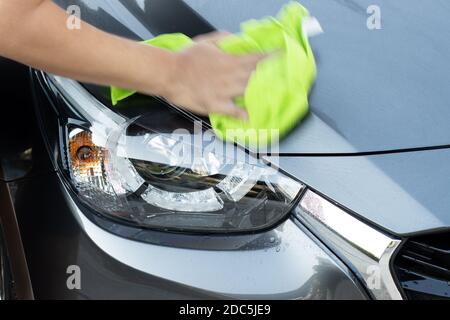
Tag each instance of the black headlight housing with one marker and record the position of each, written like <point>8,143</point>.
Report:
<point>144,174</point>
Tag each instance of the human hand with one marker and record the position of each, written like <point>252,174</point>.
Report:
<point>206,80</point>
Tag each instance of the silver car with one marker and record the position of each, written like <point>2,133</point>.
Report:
<point>353,205</point>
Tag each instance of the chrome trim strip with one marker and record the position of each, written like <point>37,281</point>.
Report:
<point>367,249</point>
<point>385,263</point>
<point>351,229</point>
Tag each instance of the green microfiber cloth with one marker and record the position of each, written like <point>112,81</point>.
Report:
<point>276,97</point>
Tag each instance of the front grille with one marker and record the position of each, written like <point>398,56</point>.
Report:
<point>423,267</point>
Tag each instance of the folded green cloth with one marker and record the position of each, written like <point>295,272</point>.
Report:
<point>276,97</point>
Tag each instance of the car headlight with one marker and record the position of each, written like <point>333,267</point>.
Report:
<point>125,169</point>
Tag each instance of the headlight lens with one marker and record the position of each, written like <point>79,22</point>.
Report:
<point>182,181</point>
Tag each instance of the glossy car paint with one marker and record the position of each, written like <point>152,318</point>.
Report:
<point>404,193</point>
<point>376,89</point>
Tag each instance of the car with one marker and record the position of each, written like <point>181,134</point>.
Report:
<point>353,204</point>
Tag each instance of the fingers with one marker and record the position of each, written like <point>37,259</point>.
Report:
<point>230,109</point>
<point>213,37</point>
<point>246,68</point>
<point>251,60</point>
<point>211,78</point>
<point>236,89</point>
<point>247,65</point>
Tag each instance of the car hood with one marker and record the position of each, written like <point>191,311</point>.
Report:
<point>377,91</point>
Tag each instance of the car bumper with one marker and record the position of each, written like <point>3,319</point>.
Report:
<point>285,263</point>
